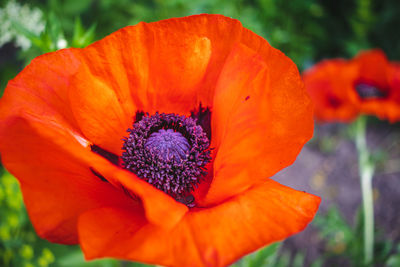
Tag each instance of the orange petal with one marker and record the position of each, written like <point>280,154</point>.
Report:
<point>185,59</point>
<point>160,208</point>
<point>373,67</point>
<point>331,87</point>
<point>215,236</point>
<point>171,65</point>
<point>43,106</point>
<point>46,99</point>
<point>178,59</point>
<point>393,105</point>
<point>166,66</point>
<point>261,119</point>
<point>57,187</point>
<point>59,97</point>
<point>49,139</point>
<point>159,65</point>
<point>103,110</point>
<point>394,81</point>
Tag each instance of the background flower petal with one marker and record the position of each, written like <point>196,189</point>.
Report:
<point>214,236</point>
<point>373,67</point>
<point>331,86</point>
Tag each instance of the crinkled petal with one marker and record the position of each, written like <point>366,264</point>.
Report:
<point>45,107</point>
<point>55,159</point>
<point>169,66</point>
<point>90,96</point>
<point>261,119</point>
<point>41,89</point>
<point>56,187</point>
<point>102,109</point>
<point>214,236</point>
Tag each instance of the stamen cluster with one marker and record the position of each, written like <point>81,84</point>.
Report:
<point>168,151</point>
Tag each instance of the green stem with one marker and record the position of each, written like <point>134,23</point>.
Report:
<point>366,170</point>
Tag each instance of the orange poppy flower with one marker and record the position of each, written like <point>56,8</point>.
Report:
<point>343,89</point>
<point>185,186</point>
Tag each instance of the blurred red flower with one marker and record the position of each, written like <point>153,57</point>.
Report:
<point>63,135</point>
<point>343,89</point>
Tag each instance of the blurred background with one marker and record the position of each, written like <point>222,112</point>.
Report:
<point>306,31</point>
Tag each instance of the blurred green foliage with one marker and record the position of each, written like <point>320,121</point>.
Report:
<point>306,30</point>
<point>275,256</point>
<point>345,241</point>
<point>19,244</point>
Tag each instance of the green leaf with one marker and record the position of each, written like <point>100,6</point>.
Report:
<point>76,258</point>
<point>298,260</point>
<point>394,260</point>
<point>82,37</point>
<point>263,257</point>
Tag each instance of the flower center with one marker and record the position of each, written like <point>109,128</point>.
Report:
<point>168,151</point>
<point>367,91</point>
<point>168,145</point>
